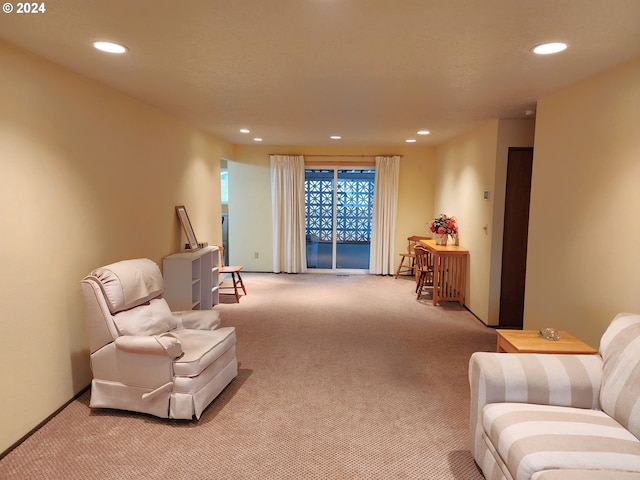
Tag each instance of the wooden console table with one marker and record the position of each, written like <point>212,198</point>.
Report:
<point>449,271</point>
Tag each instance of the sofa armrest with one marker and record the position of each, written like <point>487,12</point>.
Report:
<point>198,319</point>
<point>547,379</point>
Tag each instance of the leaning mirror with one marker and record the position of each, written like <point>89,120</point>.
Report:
<point>186,226</point>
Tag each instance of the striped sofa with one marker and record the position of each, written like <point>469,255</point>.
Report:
<point>559,417</point>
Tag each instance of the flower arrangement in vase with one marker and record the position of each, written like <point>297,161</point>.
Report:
<point>443,226</point>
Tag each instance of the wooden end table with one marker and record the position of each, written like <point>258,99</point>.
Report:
<point>528,341</point>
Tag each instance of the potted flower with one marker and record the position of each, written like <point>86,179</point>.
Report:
<point>443,226</point>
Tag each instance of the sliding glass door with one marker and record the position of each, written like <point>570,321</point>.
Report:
<point>339,210</point>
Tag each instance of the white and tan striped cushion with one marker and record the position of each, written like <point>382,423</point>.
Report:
<point>620,350</point>
<point>532,438</point>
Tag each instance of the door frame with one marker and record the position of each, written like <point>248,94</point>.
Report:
<point>515,237</point>
<point>334,268</point>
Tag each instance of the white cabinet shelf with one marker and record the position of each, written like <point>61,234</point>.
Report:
<point>191,279</point>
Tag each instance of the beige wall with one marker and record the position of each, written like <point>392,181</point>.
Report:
<point>89,177</point>
<point>468,166</point>
<point>584,236</point>
<point>250,228</point>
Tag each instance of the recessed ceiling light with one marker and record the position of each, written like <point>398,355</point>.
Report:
<point>244,130</point>
<point>423,132</point>
<point>257,139</point>
<point>410,140</point>
<point>335,137</point>
<point>110,47</point>
<point>549,48</point>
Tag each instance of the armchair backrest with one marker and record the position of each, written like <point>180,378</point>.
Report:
<point>129,283</point>
<point>125,298</point>
<point>620,391</point>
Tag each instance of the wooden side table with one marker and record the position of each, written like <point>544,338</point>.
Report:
<point>528,341</point>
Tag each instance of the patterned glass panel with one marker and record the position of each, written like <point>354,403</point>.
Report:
<point>319,203</point>
<point>354,209</point>
<point>353,216</point>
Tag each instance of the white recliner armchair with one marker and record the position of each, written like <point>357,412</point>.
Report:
<point>145,358</point>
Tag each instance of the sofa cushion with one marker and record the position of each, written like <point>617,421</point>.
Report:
<point>620,391</point>
<point>129,283</point>
<point>532,438</point>
<point>153,318</point>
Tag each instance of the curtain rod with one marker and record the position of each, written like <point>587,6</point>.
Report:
<point>337,155</point>
<point>334,163</point>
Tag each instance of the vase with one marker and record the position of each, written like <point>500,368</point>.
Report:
<point>441,238</point>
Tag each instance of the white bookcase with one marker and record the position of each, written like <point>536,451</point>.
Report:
<point>191,279</point>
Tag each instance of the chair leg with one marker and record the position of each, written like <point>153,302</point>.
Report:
<point>244,290</point>
<point>424,280</point>
<point>235,286</point>
<point>237,280</point>
<point>399,267</point>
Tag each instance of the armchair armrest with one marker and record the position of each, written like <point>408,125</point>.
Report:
<point>164,345</point>
<point>146,361</point>
<point>198,319</point>
<point>546,379</point>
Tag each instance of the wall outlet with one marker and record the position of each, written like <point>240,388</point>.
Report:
<point>256,255</point>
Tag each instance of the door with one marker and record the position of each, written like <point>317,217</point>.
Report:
<point>514,240</point>
<point>224,200</point>
<point>339,212</point>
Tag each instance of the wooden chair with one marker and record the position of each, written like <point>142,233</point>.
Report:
<point>236,279</point>
<point>410,255</point>
<point>424,269</point>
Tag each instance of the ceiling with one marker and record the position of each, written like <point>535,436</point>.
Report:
<point>295,72</point>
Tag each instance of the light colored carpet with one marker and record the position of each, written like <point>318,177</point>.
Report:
<point>341,377</point>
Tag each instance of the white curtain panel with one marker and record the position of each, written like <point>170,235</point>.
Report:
<point>287,199</point>
<point>385,204</point>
